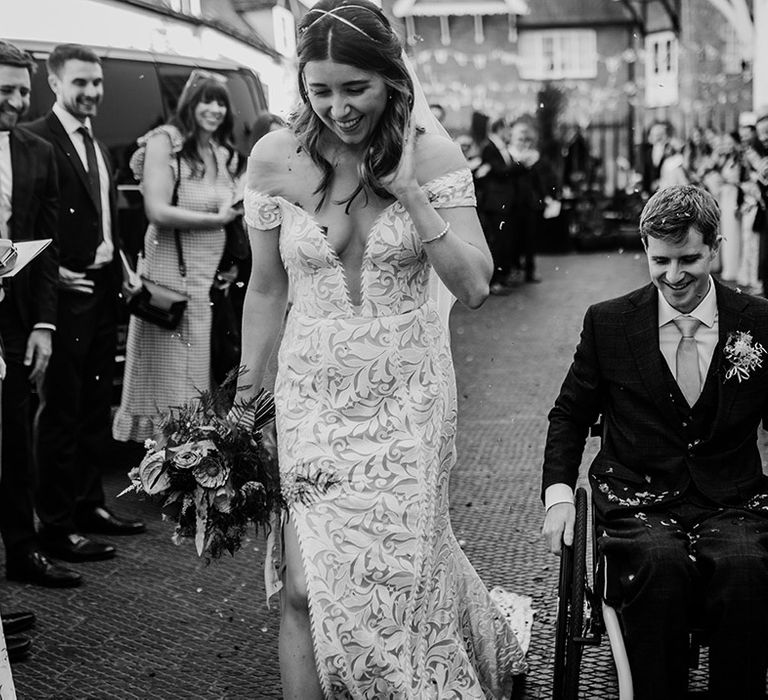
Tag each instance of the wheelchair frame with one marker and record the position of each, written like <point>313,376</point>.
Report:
<point>583,616</point>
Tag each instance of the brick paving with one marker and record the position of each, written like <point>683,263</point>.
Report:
<point>157,623</point>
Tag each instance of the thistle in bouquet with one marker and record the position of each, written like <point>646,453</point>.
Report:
<point>210,469</point>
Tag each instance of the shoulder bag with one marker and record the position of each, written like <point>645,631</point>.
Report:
<point>155,302</point>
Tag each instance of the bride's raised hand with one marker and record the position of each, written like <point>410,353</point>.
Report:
<point>402,179</point>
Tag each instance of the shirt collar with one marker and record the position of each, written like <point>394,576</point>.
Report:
<point>706,311</point>
<point>71,124</point>
<point>5,137</point>
<point>498,142</point>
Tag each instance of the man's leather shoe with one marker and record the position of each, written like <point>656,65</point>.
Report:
<point>35,567</point>
<point>18,648</point>
<point>16,622</point>
<point>101,521</point>
<point>71,546</point>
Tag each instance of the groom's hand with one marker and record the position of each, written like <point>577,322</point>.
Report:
<point>558,526</point>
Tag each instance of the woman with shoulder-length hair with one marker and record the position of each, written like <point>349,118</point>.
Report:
<point>192,154</point>
<point>361,207</point>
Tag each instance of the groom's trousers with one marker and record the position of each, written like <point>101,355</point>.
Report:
<point>691,562</point>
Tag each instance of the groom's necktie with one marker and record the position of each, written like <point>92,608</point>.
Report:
<point>687,366</point>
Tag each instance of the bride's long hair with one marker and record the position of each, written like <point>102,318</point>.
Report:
<point>358,35</point>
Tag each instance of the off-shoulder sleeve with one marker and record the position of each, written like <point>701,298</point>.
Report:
<point>137,159</point>
<point>261,210</point>
<point>454,189</point>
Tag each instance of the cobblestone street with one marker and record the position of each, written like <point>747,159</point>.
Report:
<point>157,623</point>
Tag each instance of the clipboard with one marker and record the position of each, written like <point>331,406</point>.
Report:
<point>26,252</point>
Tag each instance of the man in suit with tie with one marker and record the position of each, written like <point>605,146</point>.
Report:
<point>679,371</point>
<point>28,211</point>
<point>73,427</point>
<point>497,196</point>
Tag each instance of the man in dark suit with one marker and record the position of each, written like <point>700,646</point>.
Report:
<point>497,195</point>
<point>679,371</point>
<point>73,428</point>
<point>653,153</point>
<point>529,173</point>
<point>28,210</point>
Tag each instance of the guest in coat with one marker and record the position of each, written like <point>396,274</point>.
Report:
<point>74,423</point>
<point>28,211</point>
<point>679,371</point>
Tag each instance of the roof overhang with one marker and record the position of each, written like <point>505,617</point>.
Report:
<point>440,8</point>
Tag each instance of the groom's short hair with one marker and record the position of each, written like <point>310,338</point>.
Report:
<point>673,211</point>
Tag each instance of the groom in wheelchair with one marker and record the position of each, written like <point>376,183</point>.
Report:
<point>678,370</point>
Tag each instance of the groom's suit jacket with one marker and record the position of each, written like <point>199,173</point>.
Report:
<point>654,444</point>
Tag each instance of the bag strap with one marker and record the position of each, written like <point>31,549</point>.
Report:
<point>176,234</point>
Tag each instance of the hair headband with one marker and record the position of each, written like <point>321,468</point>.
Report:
<point>334,14</point>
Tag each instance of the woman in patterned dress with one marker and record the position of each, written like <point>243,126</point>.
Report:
<point>167,368</point>
<point>352,208</point>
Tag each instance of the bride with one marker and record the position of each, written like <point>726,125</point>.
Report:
<point>353,208</point>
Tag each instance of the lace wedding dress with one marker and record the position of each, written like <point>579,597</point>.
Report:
<point>366,402</point>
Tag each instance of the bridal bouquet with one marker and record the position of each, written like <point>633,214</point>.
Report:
<point>213,477</point>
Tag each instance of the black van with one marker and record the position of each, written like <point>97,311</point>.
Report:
<point>141,90</point>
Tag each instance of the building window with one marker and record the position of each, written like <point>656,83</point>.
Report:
<point>188,7</point>
<point>558,55</point>
<point>284,30</point>
<point>661,83</point>
<point>445,31</point>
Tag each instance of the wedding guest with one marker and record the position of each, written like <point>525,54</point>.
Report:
<point>194,155</point>
<point>496,164</point>
<point>757,156</point>
<point>672,170</point>
<point>354,207</point>
<point>28,211</point>
<point>696,153</point>
<point>28,205</point>
<point>75,401</point>
<point>678,490</point>
<point>652,154</point>
<point>729,165</point>
<point>532,185</point>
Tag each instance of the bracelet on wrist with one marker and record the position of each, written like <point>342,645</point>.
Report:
<point>439,235</point>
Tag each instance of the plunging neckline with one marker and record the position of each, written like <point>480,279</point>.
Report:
<point>334,255</point>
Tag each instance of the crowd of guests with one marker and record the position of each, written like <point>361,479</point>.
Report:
<point>733,167</point>
<point>59,316</point>
<point>516,188</point>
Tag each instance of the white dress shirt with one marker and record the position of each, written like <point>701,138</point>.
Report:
<point>669,337</point>
<point>106,248</point>
<point>6,182</point>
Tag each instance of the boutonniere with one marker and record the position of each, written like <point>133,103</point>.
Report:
<point>743,354</point>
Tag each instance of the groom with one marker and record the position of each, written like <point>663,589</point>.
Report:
<point>679,371</point>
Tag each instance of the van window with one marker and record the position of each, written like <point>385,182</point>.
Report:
<point>131,107</point>
<point>173,78</point>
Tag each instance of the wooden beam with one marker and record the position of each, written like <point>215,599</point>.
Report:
<point>673,14</point>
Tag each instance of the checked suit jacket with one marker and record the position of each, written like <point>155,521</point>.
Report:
<point>34,210</point>
<point>655,445</point>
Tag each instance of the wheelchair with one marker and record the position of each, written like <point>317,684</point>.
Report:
<point>584,618</point>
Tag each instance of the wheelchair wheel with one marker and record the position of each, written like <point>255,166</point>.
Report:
<point>570,607</point>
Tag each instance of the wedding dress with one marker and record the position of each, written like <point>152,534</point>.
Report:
<point>366,404</point>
